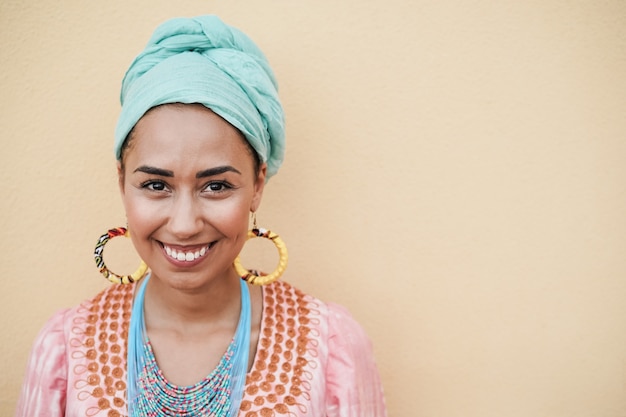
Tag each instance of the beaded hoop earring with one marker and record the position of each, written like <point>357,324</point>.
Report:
<point>110,275</point>
<point>282,261</point>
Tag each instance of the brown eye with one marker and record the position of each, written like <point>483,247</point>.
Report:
<point>217,187</point>
<point>154,186</point>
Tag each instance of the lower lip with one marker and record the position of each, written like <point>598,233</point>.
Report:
<point>186,264</point>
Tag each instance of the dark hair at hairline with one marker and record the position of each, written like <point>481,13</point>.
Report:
<point>127,144</point>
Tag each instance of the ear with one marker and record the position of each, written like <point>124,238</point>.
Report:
<point>259,186</point>
<point>120,177</point>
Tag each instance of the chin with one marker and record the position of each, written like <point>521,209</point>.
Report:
<point>191,281</point>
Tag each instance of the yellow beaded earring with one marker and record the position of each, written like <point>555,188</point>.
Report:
<point>282,252</point>
<point>110,275</point>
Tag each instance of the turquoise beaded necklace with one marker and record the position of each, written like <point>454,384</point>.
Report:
<point>217,395</point>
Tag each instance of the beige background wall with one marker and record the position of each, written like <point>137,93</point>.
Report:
<point>456,176</point>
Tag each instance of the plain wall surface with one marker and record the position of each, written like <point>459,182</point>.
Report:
<point>455,176</point>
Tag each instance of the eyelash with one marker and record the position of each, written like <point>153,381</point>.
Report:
<point>148,185</point>
<point>224,186</point>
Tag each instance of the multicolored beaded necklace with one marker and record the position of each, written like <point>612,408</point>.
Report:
<point>217,395</point>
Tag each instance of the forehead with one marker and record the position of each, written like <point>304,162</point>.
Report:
<point>184,135</point>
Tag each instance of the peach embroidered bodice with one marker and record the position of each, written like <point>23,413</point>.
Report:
<point>312,359</point>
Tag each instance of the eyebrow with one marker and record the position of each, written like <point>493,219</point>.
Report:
<point>216,171</point>
<point>155,171</point>
<point>201,174</point>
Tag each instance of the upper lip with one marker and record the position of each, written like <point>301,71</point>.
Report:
<point>186,247</point>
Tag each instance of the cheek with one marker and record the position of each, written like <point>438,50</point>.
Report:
<point>233,219</point>
<point>230,219</point>
<point>139,214</point>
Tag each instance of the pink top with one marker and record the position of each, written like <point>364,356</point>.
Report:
<point>312,359</point>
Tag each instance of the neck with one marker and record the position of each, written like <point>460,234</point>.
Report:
<point>216,304</point>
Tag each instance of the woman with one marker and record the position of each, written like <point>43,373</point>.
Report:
<point>200,133</point>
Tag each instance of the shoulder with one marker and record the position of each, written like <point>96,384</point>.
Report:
<point>52,335</point>
<point>80,320</point>
<point>111,299</point>
<point>332,350</point>
<point>331,322</point>
<point>66,346</point>
<point>335,314</point>
<point>345,329</point>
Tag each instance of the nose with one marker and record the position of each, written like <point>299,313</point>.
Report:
<point>185,220</point>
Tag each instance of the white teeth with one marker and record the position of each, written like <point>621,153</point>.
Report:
<point>180,255</point>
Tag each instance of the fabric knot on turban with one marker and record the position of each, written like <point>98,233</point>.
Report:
<point>203,60</point>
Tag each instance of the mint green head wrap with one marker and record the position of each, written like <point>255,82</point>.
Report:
<point>203,60</point>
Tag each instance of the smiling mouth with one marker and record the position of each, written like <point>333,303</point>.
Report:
<point>187,255</point>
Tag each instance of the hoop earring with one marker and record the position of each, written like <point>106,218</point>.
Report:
<point>110,275</point>
<point>282,261</point>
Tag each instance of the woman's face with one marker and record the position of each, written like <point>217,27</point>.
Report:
<point>188,184</point>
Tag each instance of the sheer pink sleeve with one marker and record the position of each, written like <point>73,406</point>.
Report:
<point>45,383</point>
<point>353,383</point>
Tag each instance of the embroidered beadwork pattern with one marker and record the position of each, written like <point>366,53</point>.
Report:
<point>98,342</point>
<point>279,382</point>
